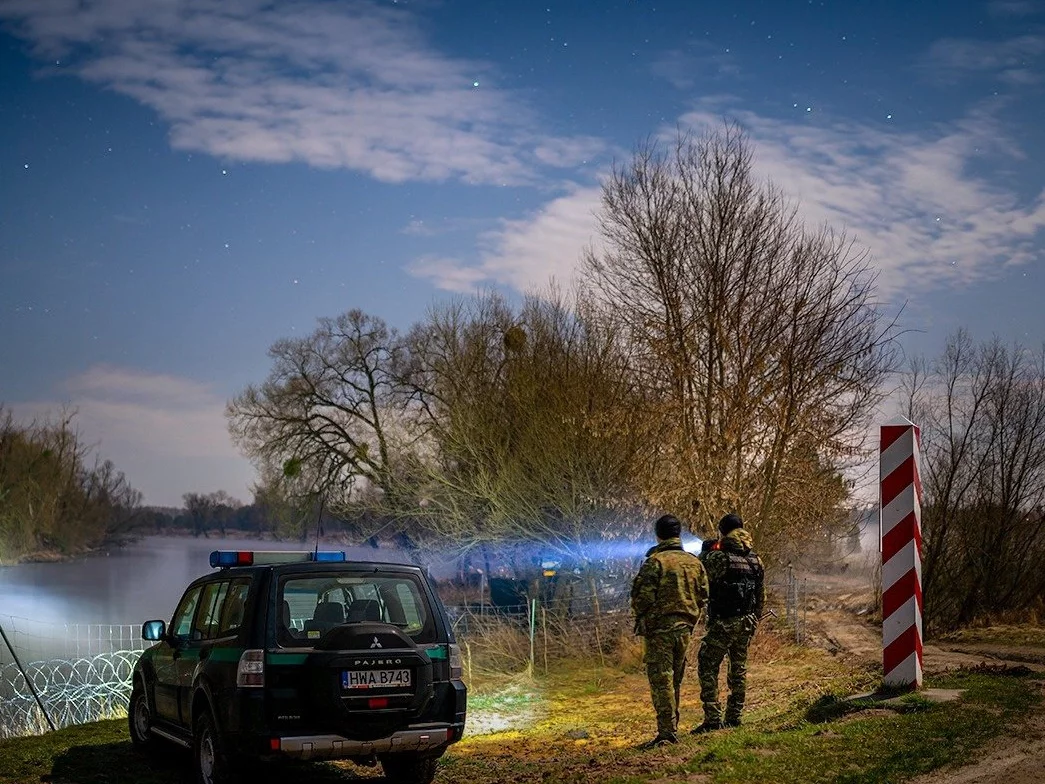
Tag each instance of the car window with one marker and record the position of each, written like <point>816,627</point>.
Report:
<point>413,612</point>
<point>206,626</point>
<point>181,623</point>
<point>313,605</point>
<point>232,609</point>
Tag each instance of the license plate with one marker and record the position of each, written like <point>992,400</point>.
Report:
<point>374,679</point>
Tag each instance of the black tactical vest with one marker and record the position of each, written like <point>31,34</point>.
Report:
<point>736,593</point>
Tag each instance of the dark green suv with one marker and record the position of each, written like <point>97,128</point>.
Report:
<point>307,656</point>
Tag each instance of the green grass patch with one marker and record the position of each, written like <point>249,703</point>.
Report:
<point>510,698</point>
<point>859,742</point>
<point>864,743</point>
<point>85,753</point>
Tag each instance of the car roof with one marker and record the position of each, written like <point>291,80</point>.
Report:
<point>304,567</point>
<point>321,566</point>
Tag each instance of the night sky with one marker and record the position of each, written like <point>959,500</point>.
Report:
<point>183,182</point>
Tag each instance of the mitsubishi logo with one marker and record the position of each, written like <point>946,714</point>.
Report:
<point>376,643</point>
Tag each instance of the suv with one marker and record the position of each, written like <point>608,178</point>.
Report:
<point>306,656</point>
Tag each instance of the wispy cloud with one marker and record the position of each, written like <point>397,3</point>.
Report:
<point>912,199</point>
<point>525,253</point>
<point>1013,7</point>
<point>349,84</point>
<point>1015,60</point>
<point>167,434</point>
<point>700,63</point>
<point>418,227</point>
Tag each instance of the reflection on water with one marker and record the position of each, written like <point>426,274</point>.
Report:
<point>131,584</point>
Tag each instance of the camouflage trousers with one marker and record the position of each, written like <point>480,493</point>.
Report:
<point>664,654</point>
<point>725,637</point>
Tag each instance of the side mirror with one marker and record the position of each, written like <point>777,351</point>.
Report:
<point>153,630</point>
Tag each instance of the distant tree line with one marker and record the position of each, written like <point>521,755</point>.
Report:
<point>56,498</point>
<point>719,356</point>
<point>218,514</point>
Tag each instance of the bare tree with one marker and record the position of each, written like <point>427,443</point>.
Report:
<point>981,409</point>
<point>760,340</point>
<point>532,425</point>
<point>327,416</point>
<point>200,507</point>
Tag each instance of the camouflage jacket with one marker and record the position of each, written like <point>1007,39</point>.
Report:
<point>716,562</point>
<point>670,590</point>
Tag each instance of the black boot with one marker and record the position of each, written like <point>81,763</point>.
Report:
<point>662,739</point>
<point>707,726</point>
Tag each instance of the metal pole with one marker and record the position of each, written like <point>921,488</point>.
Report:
<point>805,606</point>
<point>533,626</point>
<point>544,621</point>
<point>28,682</point>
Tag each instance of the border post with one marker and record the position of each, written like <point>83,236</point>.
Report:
<point>900,511</point>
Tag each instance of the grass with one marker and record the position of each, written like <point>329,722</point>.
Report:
<point>581,723</point>
<point>1024,635</point>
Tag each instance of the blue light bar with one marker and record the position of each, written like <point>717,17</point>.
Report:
<point>329,556</point>
<point>227,558</point>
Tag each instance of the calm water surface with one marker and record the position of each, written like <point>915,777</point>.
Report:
<point>131,584</point>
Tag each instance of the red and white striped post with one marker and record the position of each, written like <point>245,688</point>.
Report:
<point>901,531</point>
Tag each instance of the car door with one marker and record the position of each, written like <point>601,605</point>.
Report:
<point>165,660</point>
<point>204,630</point>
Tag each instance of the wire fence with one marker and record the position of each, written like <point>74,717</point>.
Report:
<point>54,675</point>
<point>793,590</point>
<point>529,635</point>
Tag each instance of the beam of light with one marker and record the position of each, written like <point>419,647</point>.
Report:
<point>603,552</point>
<point>692,546</point>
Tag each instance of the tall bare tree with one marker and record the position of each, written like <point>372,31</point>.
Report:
<point>760,339</point>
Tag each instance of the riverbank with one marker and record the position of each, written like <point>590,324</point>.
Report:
<point>128,538</point>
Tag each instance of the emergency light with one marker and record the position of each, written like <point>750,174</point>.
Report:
<point>227,558</point>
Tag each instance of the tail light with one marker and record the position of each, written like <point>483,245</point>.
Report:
<point>251,669</point>
<point>456,662</point>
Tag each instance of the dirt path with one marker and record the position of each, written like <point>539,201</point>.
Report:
<point>838,609</point>
<point>1018,759</point>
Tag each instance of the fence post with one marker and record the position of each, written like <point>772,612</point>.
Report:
<point>805,608</point>
<point>25,675</point>
<point>533,627</point>
<point>544,623</point>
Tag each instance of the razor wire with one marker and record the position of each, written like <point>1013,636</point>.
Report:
<point>72,691</point>
<point>79,672</point>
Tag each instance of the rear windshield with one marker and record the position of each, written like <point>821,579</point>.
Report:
<point>313,605</point>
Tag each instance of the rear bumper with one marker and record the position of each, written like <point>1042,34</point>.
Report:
<point>429,739</point>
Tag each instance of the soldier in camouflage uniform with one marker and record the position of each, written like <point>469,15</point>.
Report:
<point>737,580</point>
<point>668,597</point>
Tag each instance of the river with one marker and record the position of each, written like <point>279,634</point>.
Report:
<point>72,630</point>
<point>131,584</point>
